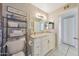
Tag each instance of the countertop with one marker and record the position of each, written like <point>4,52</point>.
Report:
<point>42,34</point>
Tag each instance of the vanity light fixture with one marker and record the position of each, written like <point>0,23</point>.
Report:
<point>40,16</point>
<point>50,18</point>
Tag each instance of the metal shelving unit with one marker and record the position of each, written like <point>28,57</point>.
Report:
<point>8,29</point>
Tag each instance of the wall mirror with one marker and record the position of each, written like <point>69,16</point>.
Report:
<point>39,25</point>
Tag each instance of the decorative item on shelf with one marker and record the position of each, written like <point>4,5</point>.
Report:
<point>10,15</point>
<point>51,25</point>
<point>66,7</point>
<point>12,24</point>
<point>22,24</point>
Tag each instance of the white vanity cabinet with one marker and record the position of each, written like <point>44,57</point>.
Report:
<point>36,47</point>
<point>42,44</point>
<point>51,41</point>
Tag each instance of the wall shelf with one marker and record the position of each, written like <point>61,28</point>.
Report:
<point>13,19</point>
<point>16,36</point>
<point>14,27</point>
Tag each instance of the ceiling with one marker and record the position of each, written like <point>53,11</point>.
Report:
<point>48,7</point>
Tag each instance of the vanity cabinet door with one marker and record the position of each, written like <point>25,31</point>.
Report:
<point>36,47</point>
<point>51,41</point>
<point>44,46</point>
<point>36,51</point>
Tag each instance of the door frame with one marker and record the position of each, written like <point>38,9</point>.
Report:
<point>64,17</point>
<point>76,9</point>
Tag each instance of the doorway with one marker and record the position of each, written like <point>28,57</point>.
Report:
<point>69,32</point>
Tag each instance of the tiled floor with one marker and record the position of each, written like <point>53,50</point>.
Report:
<point>65,50</point>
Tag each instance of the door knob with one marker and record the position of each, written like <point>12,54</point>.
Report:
<point>75,38</point>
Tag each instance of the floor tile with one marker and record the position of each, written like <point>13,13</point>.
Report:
<point>65,50</point>
<point>72,51</point>
<point>58,53</point>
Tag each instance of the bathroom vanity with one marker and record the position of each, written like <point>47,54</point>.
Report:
<point>42,43</point>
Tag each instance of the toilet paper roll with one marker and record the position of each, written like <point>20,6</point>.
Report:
<point>30,42</point>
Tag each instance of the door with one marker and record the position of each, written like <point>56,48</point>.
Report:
<point>44,45</point>
<point>36,47</point>
<point>69,29</point>
<point>51,41</point>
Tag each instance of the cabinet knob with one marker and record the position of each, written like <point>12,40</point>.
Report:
<point>48,41</point>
